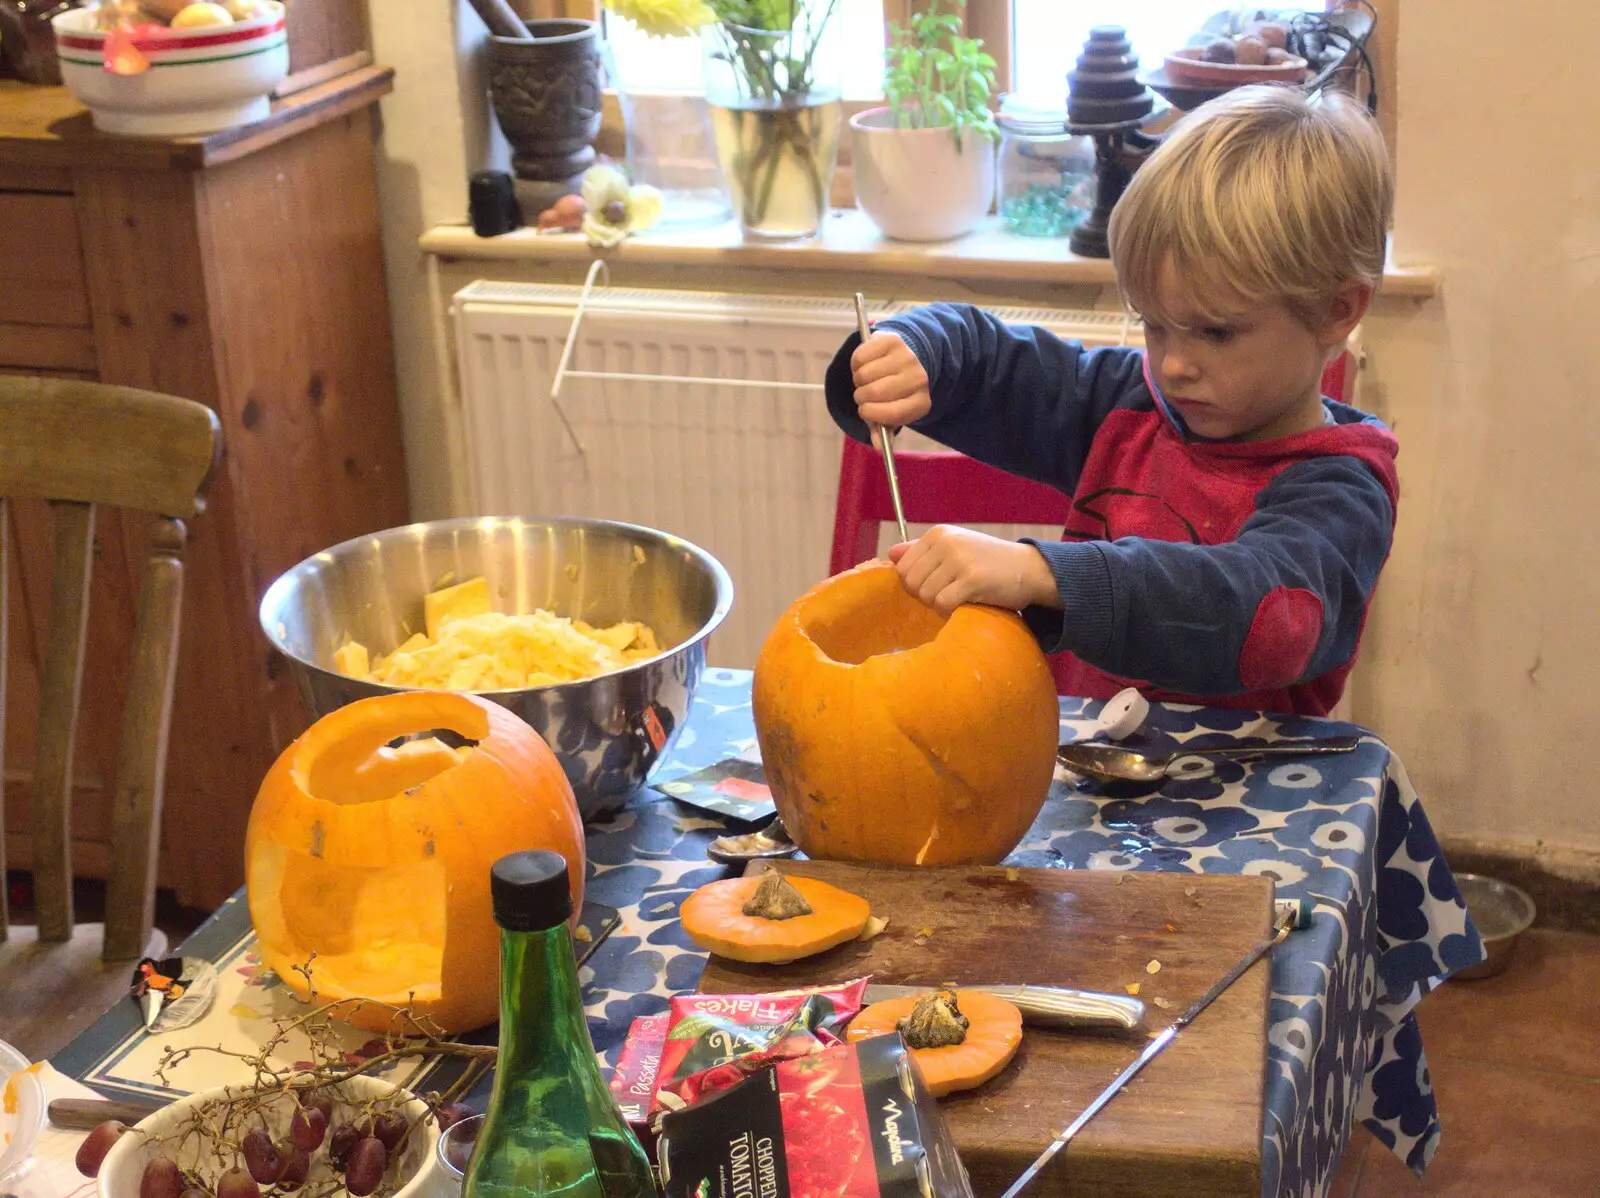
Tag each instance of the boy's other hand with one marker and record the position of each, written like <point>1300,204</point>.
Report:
<point>949,566</point>
<point>891,385</point>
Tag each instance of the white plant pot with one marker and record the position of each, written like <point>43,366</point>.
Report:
<point>914,183</point>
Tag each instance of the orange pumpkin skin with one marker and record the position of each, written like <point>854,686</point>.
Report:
<point>891,735</point>
<point>993,1037</point>
<point>378,859</point>
<point>714,918</point>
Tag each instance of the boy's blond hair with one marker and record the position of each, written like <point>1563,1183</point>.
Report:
<point>1264,192</point>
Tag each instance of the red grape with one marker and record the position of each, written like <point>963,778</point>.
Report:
<point>454,1113</point>
<point>296,1164</point>
<point>390,1129</point>
<point>320,1102</point>
<point>307,1128</point>
<point>367,1165</point>
<point>459,1152</point>
<point>236,1183</point>
<point>261,1156</point>
<point>373,1048</point>
<point>96,1144</point>
<point>342,1143</point>
<point>160,1179</point>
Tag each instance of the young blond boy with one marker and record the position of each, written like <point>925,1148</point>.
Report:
<point>1228,523</point>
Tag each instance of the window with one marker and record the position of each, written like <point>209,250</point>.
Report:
<point>672,64</point>
<point>1048,35</point>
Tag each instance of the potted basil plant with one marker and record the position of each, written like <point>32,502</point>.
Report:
<point>925,164</point>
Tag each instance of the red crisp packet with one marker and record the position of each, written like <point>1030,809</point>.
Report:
<point>853,1121</point>
<point>716,1040</point>
<point>633,1083</point>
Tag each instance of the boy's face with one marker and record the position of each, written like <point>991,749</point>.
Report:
<point>1252,376</point>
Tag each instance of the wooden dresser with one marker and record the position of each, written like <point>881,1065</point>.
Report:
<point>243,270</point>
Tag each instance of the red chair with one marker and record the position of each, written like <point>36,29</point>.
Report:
<point>941,487</point>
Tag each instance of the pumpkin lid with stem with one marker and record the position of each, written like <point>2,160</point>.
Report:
<point>959,1039</point>
<point>772,918</point>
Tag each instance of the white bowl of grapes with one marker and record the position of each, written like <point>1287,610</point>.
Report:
<point>360,1136</point>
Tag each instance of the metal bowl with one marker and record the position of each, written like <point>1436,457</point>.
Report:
<point>1502,912</point>
<point>607,731</point>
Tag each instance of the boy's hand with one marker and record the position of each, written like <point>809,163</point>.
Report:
<point>950,566</point>
<point>891,386</point>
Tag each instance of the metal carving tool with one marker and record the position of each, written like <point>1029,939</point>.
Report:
<point>884,436</point>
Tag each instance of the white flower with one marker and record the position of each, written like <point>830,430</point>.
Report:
<point>614,208</point>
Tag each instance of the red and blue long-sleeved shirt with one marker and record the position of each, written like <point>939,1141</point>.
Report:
<point>1233,574</point>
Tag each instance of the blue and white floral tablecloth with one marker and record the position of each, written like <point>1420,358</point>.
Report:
<point>1346,831</point>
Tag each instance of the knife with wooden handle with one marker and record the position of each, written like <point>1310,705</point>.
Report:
<point>85,1114</point>
<point>1046,1006</point>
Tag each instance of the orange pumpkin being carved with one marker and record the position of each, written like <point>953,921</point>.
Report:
<point>890,734</point>
<point>377,859</point>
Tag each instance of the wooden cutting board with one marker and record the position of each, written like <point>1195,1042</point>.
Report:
<point>1189,1124</point>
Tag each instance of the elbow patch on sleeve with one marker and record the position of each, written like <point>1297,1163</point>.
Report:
<point>1283,637</point>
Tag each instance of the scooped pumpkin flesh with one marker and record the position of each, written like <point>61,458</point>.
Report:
<point>772,919</point>
<point>951,1056</point>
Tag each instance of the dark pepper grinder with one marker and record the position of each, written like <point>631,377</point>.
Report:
<point>492,204</point>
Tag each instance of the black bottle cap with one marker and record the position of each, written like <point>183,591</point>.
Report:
<point>530,891</point>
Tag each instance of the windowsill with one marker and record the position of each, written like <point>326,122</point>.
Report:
<point>849,242</point>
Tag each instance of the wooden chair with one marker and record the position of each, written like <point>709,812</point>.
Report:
<point>80,445</point>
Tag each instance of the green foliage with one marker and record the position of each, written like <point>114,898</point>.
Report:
<point>755,14</point>
<point>771,44</point>
<point>936,79</point>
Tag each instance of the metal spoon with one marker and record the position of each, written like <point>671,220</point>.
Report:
<point>884,436</point>
<point>1114,763</point>
<point>771,841</point>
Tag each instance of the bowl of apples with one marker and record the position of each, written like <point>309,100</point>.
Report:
<point>1258,53</point>
<point>170,68</point>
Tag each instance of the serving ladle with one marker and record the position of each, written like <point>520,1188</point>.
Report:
<point>1117,763</point>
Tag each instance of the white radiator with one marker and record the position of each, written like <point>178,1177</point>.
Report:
<point>749,474</point>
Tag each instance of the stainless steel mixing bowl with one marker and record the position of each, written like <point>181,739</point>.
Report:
<point>607,731</point>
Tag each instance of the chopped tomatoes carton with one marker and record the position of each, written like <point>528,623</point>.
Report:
<point>851,1121</point>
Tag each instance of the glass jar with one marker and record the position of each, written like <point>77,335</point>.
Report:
<point>1046,177</point>
<point>667,131</point>
<point>776,117</point>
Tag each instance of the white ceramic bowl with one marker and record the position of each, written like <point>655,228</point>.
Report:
<point>199,80</point>
<point>21,1115</point>
<point>120,1171</point>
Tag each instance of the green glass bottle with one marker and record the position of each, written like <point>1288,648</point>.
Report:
<point>552,1126</point>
